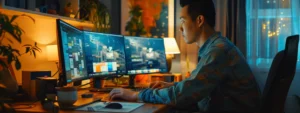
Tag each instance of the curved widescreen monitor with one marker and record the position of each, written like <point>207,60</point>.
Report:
<point>145,55</point>
<point>105,54</point>
<point>71,52</point>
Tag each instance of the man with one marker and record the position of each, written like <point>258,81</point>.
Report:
<point>222,81</point>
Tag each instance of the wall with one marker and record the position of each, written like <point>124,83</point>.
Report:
<point>44,32</point>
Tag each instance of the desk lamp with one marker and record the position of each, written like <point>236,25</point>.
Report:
<point>171,48</point>
<point>52,56</point>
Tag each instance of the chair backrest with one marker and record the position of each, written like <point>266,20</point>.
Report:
<point>280,76</point>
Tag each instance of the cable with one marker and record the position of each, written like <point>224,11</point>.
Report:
<point>54,74</point>
<point>24,106</point>
<point>84,84</point>
<point>57,69</point>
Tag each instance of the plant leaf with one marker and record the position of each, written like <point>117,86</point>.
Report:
<point>27,45</point>
<point>18,64</point>
<point>9,58</point>
<point>3,64</point>
<point>27,49</point>
<point>34,53</point>
<point>9,28</point>
<point>6,18</point>
<point>13,18</point>
<point>29,17</point>
<point>37,49</point>
<point>17,51</point>
<point>10,40</point>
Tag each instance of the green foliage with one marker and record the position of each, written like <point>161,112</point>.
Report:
<point>135,26</point>
<point>7,26</point>
<point>97,13</point>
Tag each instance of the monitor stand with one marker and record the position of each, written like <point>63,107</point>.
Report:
<point>131,84</point>
<point>61,80</point>
<point>77,83</point>
<point>98,87</point>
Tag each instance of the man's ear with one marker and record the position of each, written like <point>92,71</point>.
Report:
<point>200,20</point>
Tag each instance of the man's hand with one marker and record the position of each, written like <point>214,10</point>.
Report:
<point>160,85</point>
<point>125,94</point>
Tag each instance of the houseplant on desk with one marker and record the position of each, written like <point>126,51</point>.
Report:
<point>11,31</point>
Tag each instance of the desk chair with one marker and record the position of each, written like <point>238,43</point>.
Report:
<point>280,77</point>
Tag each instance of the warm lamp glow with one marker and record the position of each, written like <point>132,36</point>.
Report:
<point>52,53</point>
<point>171,46</point>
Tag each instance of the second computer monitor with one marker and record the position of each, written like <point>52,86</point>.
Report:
<point>145,55</point>
<point>105,54</point>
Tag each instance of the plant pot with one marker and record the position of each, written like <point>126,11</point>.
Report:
<point>67,11</point>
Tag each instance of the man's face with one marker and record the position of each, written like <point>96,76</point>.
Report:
<point>189,28</point>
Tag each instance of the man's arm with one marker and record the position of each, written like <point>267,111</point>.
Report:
<point>204,79</point>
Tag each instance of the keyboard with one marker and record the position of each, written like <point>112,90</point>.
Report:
<point>105,90</point>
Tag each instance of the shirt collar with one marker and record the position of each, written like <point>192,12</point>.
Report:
<point>208,42</point>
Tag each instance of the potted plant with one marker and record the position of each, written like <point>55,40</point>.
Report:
<point>95,12</point>
<point>10,55</point>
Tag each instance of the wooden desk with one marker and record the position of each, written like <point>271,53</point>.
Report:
<point>167,77</point>
<point>146,108</point>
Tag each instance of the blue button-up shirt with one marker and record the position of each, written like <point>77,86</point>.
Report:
<point>221,82</point>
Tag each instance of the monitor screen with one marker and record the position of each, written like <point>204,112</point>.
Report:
<point>145,55</point>
<point>105,54</point>
<point>71,50</point>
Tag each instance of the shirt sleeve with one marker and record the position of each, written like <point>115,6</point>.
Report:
<point>203,80</point>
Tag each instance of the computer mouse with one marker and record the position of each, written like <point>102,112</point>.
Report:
<point>114,106</point>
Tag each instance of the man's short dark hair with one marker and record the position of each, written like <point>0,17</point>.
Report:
<point>201,7</point>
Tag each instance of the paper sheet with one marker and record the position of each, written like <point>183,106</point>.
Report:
<point>99,106</point>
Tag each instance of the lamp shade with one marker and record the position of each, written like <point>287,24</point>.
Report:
<point>171,46</point>
<point>52,53</point>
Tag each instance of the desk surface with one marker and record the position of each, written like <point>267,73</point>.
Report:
<point>146,108</point>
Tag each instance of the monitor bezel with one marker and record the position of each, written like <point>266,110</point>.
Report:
<point>109,75</point>
<point>61,53</point>
<point>148,72</point>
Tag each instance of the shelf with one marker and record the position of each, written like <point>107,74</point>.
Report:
<point>18,11</point>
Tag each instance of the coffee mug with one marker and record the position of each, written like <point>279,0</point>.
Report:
<point>66,96</point>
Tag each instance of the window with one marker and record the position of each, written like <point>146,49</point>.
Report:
<point>269,23</point>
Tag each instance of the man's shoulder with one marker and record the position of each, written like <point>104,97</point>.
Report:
<point>222,47</point>
<point>222,43</point>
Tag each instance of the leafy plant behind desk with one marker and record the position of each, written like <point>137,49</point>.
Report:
<point>8,27</point>
<point>135,26</point>
<point>97,13</point>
